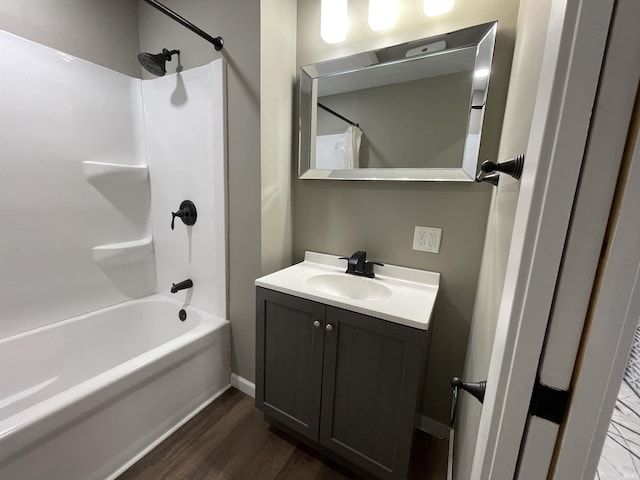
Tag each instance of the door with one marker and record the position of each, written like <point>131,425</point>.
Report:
<point>610,144</point>
<point>371,381</point>
<point>573,44</point>
<point>289,343</point>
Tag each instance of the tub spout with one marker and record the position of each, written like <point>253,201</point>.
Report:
<point>176,287</point>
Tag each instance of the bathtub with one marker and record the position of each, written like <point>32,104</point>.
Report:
<point>87,397</point>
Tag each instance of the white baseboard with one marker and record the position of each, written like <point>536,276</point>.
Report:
<point>244,385</point>
<point>430,426</point>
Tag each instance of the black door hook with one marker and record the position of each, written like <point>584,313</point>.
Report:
<point>477,389</point>
<point>187,213</point>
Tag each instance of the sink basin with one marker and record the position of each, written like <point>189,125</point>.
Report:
<point>348,286</point>
<point>398,294</point>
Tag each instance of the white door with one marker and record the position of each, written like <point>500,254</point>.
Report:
<point>574,45</point>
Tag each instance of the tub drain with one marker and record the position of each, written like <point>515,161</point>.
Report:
<point>182,315</point>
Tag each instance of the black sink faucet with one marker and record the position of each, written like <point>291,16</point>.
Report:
<point>357,265</point>
<point>176,287</point>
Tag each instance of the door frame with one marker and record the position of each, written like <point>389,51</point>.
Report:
<point>574,49</point>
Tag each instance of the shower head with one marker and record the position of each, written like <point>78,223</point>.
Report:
<point>154,63</point>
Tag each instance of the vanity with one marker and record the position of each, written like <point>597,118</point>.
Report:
<point>340,358</point>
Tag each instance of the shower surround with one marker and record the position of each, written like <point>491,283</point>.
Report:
<point>92,164</point>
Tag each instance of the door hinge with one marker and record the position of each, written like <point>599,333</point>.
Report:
<point>549,403</point>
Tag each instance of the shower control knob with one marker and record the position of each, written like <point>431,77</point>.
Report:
<point>187,213</point>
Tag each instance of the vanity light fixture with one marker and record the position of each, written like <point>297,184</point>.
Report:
<point>382,14</point>
<point>333,20</point>
<point>433,8</point>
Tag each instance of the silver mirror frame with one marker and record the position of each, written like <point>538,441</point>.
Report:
<point>479,37</point>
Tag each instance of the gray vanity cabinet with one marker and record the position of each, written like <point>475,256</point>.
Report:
<point>289,369</point>
<point>346,381</point>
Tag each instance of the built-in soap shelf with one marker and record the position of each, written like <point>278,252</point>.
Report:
<point>123,253</point>
<point>101,172</point>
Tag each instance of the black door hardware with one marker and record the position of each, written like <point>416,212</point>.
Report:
<point>490,171</point>
<point>549,403</point>
<point>477,389</point>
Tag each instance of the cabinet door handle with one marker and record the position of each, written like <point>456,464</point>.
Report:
<point>316,324</point>
<point>329,327</point>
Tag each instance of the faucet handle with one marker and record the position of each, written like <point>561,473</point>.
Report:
<point>368,268</point>
<point>352,263</point>
<point>349,265</point>
<point>179,213</point>
<point>187,213</point>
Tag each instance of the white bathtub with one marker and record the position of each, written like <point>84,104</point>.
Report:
<point>85,398</point>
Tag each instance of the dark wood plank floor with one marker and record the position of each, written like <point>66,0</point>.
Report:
<point>230,439</point>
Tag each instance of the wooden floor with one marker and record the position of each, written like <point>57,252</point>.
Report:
<point>230,439</point>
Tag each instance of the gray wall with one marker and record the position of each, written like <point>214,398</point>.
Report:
<point>238,22</point>
<point>277,82</point>
<point>103,32</point>
<point>408,125</point>
<point>379,217</point>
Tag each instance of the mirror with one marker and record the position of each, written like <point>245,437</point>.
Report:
<point>411,111</point>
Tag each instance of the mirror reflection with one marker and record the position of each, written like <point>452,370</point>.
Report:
<point>412,111</point>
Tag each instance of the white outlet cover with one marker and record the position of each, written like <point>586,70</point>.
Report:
<point>427,239</point>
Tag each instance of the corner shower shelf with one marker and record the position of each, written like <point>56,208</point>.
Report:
<point>96,172</point>
<point>123,253</point>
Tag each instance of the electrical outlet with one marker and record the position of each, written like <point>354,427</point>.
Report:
<point>427,239</point>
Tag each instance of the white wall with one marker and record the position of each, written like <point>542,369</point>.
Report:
<point>525,74</point>
<point>185,126</point>
<point>57,111</point>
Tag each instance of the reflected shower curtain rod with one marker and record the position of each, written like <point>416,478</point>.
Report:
<point>333,112</point>
<point>217,42</point>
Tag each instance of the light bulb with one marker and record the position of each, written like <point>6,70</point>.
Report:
<point>333,20</point>
<point>437,7</point>
<point>481,73</point>
<point>382,14</point>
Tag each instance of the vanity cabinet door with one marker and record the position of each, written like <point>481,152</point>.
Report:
<point>289,343</point>
<point>371,378</point>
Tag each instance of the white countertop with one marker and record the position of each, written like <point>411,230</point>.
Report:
<point>413,292</point>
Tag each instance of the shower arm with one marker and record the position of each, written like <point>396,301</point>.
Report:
<point>217,42</point>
